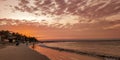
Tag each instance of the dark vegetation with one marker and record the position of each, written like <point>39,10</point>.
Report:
<point>13,37</point>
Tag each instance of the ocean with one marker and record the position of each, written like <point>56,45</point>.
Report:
<point>81,50</point>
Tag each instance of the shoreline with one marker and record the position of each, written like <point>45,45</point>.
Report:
<point>62,55</point>
<point>82,53</point>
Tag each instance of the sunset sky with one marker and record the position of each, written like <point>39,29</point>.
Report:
<point>62,19</point>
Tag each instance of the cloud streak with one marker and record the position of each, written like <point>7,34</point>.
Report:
<point>76,31</point>
<point>85,8</point>
<point>106,29</point>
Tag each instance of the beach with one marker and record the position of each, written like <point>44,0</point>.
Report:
<point>62,55</point>
<point>86,50</point>
<point>21,52</point>
<point>62,51</point>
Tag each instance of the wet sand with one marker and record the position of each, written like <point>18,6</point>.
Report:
<point>21,52</point>
<point>61,55</point>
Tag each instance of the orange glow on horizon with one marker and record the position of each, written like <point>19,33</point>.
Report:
<point>25,32</point>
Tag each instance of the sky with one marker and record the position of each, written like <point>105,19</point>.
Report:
<point>62,19</point>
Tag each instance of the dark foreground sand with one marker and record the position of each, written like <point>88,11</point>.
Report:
<point>21,52</point>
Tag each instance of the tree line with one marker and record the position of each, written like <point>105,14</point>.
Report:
<point>12,37</point>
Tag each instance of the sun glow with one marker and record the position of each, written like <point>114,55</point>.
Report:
<point>25,32</point>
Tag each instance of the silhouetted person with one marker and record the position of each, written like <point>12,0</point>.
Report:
<point>33,45</point>
<point>17,43</point>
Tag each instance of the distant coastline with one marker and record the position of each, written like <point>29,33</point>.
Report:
<point>80,40</point>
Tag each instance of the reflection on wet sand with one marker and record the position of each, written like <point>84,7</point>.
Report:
<point>61,55</point>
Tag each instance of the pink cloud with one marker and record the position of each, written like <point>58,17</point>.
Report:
<point>76,7</point>
<point>76,31</point>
